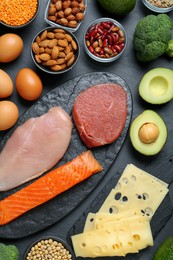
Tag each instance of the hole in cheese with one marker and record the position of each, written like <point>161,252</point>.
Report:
<point>130,244</point>
<point>117,196</point>
<point>97,250</point>
<point>125,180</point>
<point>136,237</point>
<point>113,209</point>
<point>83,244</point>
<point>133,178</point>
<point>91,220</point>
<point>116,246</point>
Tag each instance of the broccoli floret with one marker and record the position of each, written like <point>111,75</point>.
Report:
<point>169,49</point>
<point>9,252</point>
<point>151,36</point>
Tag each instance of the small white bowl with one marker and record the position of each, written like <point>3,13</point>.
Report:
<point>95,55</point>
<point>59,25</point>
<point>157,9</point>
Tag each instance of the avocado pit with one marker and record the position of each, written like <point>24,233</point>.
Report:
<point>148,133</point>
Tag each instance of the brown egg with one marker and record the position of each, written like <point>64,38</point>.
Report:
<point>9,114</point>
<point>6,85</point>
<point>11,46</point>
<point>28,84</point>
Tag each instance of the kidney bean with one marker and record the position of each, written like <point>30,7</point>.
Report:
<point>118,48</point>
<point>105,39</point>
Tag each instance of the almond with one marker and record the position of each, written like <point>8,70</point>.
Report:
<point>62,43</point>
<point>70,17</point>
<point>56,67</point>
<point>35,48</point>
<point>52,43</point>
<point>59,36</point>
<point>60,14</point>
<point>55,52</point>
<point>43,35</point>
<point>60,61</point>
<point>74,4</point>
<point>44,56</point>
<point>74,45</point>
<point>44,43</point>
<point>68,37</point>
<point>48,50</point>
<point>79,16</point>
<point>66,4</point>
<point>69,56</point>
<point>58,5</point>
<point>50,35</point>
<point>67,11</point>
<point>52,10</point>
<point>75,10</point>
<point>51,63</point>
<point>37,58</point>
<point>63,21</point>
<point>72,24</point>
<point>70,61</point>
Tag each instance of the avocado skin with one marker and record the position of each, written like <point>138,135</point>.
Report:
<point>118,7</point>
<point>165,251</point>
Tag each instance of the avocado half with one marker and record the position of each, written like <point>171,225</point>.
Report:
<point>156,86</point>
<point>148,117</point>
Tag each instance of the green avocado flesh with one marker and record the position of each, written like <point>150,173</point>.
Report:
<point>165,251</point>
<point>118,7</point>
<point>148,116</point>
<point>156,86</point>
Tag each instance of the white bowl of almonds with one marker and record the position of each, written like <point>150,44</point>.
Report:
<point>66,14</point>
<point>55,50</point>
<point>49,247</point>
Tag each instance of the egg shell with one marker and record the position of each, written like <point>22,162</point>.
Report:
<point>28,84</point>
<point>6,85</point>
<point>9,114</point>
<point>11,46</point>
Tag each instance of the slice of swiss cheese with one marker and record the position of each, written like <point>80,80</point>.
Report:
<point>114,238</point>
<point>93,220</point>
<point>95,243</point>
<point>136,188</point>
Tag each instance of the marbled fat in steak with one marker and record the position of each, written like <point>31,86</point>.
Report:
<point>99,113</point>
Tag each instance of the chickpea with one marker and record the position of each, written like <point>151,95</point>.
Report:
<point>148,133</point>
<point>48,249</point>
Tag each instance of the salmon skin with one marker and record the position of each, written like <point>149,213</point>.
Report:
<point>48,186</point>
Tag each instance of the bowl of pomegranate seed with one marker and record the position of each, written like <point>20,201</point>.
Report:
<point>105,40</point>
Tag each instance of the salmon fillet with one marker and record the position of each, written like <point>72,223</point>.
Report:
<point>48,186</point>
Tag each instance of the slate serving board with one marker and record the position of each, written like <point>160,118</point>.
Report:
<point>161,169</point>
<point>57,208</point>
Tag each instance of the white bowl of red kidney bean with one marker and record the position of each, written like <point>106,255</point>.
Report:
<point>105,40</point>
<point>65,14</point>
<point>159,6</point>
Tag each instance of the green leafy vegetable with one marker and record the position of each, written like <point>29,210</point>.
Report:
<point>165,251</point>
<point>169,49</point>
<point>151,36</point>
<point>9,252</point>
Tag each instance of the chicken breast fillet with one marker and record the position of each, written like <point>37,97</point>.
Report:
<point>34,147</point>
